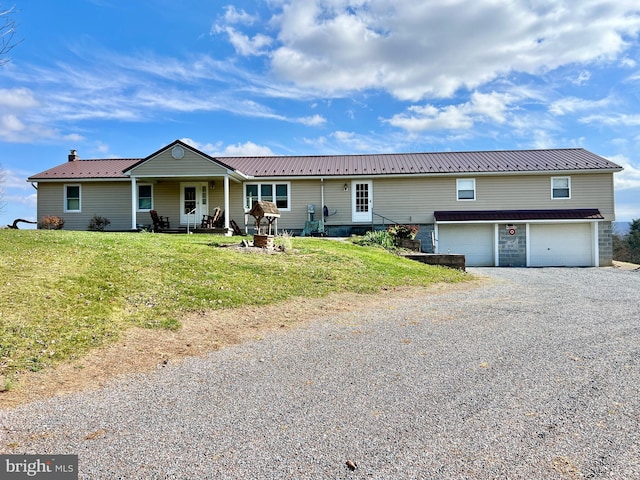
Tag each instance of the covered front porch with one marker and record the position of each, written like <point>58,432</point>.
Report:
<point>185,186</point>
<point>182,205</point>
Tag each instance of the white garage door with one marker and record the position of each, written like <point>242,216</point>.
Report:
<point>474,241</point>
<point>561,245</point>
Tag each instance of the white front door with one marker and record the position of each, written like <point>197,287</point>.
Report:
<point>361,200</point>
<point>194,202</point>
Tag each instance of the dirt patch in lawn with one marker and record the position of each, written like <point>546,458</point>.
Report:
<point>141,350</point>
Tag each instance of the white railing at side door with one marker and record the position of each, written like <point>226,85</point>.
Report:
<point>194,219</point>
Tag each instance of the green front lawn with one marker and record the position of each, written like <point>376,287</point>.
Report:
<point>62,293</point>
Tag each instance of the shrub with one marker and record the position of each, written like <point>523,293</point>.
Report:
<point>403,231</point>
<point>283,241</point>
<point>377,238</point>
<point>51,222</point>
<point>98,223</point>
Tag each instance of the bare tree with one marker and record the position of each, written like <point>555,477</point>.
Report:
<point>7,32</point>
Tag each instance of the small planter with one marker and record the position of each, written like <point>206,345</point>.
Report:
<point>409,244</point>
<point>263,241</point>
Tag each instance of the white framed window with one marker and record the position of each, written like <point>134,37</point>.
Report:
<point>145,197</point>
<point>561,187</point>
<point>466,189</point>
<point>278,193</point>
<point>72,198</point>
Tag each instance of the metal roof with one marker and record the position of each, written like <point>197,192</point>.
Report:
<point>504,161</point>
<point>87,169</point>
<point>517,215</point>
<point>422,163</point>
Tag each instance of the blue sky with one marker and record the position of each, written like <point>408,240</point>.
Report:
<point>114,78</point>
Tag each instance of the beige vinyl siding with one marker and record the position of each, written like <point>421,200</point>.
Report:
<point>335,198</point>
<point>166,201</point>
<point>534,192</point>
<point>106,199</point>
<point>164,165</point>
<point>414,200</point>
<point>50,200</point>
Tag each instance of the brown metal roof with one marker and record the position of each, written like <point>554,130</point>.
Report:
<point>87,169</point>
<point>422,163</point>
<point>505,161</point>
<point>517,215</point>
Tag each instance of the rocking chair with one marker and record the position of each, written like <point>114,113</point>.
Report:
<point>159,222</point>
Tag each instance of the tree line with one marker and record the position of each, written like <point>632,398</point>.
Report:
<point>626,248</point>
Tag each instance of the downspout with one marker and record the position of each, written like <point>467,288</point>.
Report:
<point>134,200</point>
<point>322,197</point>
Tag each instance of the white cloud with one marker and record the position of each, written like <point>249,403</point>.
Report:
<point>628,62</point>
<point>233,16</point>
<point>583,77</point>
<point>11,123</point>
<point>481,107</point>
<point>432,49</point>
<point>612,120</point>
<point>243,44</point>
<point>313,121</point>
<point>629,177</point>
<point>17,98</point>
<point>247,149</point>
<point>15,179</point>
<point>248,46</point>
<point>570,105</point>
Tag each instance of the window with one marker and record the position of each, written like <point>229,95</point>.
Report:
<point>466,188</point>
<point>145,197</point>
<point>561,187</point>
<point>277,193</point>
<point>266,193</point>
<point>282,196</point>
<point>72,198</point>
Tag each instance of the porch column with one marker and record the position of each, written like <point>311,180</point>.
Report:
<point>134,204</point>
<point>227,213</point>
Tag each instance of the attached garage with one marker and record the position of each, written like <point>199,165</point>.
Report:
<point>474,241</point>
<point>550,238</point>
<point>561,245</point>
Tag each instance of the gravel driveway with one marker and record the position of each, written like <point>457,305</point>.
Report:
<point>534,374</point>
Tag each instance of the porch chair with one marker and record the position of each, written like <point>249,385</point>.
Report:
<point>159,222</point>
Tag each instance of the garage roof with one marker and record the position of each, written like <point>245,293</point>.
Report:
<point>517,215</point>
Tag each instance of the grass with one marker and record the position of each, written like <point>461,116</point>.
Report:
<point>63,293</point>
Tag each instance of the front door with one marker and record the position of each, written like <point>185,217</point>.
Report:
<point>361,200</point>
<point>193,203</point>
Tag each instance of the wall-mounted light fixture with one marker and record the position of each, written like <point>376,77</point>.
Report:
<point>212,185</point>
<point>346,187</point>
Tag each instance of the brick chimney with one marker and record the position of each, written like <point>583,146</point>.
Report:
<point>73,155</point>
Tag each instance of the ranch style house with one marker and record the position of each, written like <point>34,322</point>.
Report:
<point>520,208</point>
